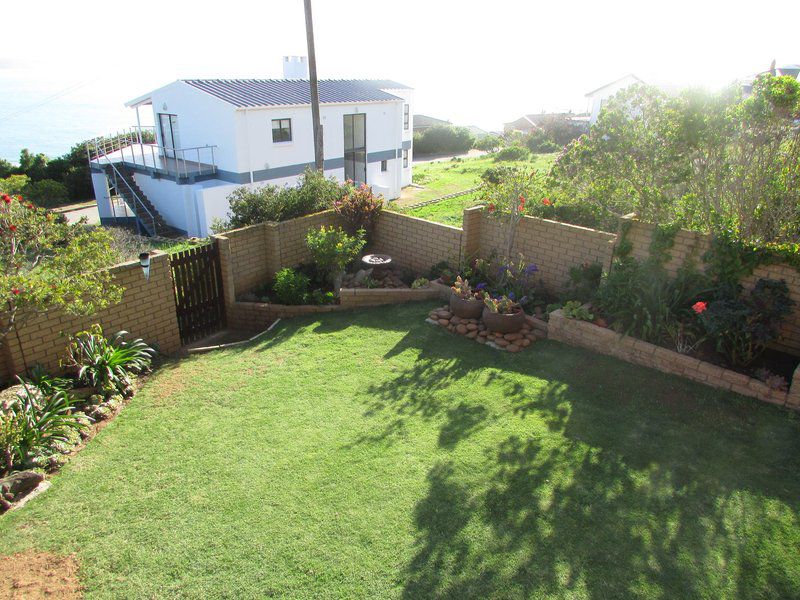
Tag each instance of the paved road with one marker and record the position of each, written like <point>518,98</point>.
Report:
<point>471,154</point>
<point>74,213</point>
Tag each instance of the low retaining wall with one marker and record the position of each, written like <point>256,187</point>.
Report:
<point>246,315</point>
<point>606,341</point>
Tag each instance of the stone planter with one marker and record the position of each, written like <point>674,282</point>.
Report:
<point>501,323</point>
<point>466,309</point>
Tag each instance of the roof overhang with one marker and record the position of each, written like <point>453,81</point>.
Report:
<point>145,100</point>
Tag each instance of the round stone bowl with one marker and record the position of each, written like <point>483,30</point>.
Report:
<point>379,263</point>
<point>503,323</point>
<point>466,309</point>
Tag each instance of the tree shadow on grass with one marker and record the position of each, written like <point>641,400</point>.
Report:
<point>639,484</point>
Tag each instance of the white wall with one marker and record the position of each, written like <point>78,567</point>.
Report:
<point>174,202</point>
<point>599,98</point>
<point>100,185</point>
<point>203,120</point>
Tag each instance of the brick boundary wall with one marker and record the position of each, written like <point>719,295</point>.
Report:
<point>690,246</point>
<point>147,310</point>
<point>553,246</point>
<point>632,350</point>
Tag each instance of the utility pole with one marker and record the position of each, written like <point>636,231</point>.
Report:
<point>319,160</point>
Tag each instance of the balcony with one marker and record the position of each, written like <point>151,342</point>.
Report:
<point>137,148</point>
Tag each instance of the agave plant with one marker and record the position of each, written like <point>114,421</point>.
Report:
<point>106,363</point>
<point>35,421</point>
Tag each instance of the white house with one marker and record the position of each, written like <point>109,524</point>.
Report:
<point>597,98</point>
<point>212,135</point>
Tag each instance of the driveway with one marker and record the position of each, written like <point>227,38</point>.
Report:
<point>75,212</point>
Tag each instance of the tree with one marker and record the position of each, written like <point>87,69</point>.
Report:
<point>488,143</point>
<point>443,139</point>
<point>47,263</point>
<point>711,162</point>
<point>32,165</point>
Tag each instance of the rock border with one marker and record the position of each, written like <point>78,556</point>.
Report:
<point>475,329</point>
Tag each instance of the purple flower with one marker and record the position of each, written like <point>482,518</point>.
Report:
<point>511,296</point>
<point>480,286</point>
<point>531,269</point>
<point>501,271</point>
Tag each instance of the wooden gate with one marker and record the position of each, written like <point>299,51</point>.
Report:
<point>199,302</point>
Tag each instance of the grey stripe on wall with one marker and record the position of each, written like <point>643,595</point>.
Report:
<point>262,174</point>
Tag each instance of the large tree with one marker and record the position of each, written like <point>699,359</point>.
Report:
<point>712,162</point>
<point>48,263</point>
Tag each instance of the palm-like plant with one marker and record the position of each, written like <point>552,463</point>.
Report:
<point>104,362</point>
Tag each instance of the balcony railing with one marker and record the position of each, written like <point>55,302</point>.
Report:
<point>138,147</point>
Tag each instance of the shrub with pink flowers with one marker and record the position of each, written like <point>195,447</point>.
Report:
<point>359,207</point>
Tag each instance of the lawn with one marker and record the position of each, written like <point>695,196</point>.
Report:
<point>449,212</point>
<point>371,455</point>
<point>449,176</point>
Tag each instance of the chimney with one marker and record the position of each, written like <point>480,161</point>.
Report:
<point>295,67</point>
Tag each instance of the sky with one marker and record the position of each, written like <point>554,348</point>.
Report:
<point>74,64</point>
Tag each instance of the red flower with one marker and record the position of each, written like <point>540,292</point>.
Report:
<point>15,291</point>
<point>490,207</point>
<point>6,198</point>
<point>12,227</point>
<point>30,206</point>
<point>699,307</point>
<point>547,202</point>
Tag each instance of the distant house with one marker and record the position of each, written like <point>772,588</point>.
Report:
<point>791,70</point>
<point>423,122</point>
<point>597,98</point>
<point>477,132</point>
<point>528,123</point>
<point>212,135</point>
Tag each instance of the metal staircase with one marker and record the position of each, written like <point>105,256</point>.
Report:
<point>147,217</point>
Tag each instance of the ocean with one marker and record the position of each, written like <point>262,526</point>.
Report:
<point>50,116</point>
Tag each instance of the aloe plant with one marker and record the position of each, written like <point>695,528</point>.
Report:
<point>106,363</point>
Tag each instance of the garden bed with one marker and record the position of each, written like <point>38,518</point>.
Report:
<point>605,341</point>
<point>475,329</point>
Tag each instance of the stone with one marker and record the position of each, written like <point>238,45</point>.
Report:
<point>361,275</point>
<point>443,322</point>
<point>539,334</point>
<point>511,337</point>
<point>455,320</point>
<point>461,329</point>
<point>481,340</point>
<point>472,327</point>
<point>501,342</point>
<point>525,343</point>
<point>513,348</point>
<point>472,335</point>
<point>17,485</point>
<point>483,333</point>
<point>451,328</point>
<point>445,314</point>
<point>473,321</point>
<point>434,316</point>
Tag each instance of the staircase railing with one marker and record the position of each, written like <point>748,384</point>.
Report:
<point>136,199</point>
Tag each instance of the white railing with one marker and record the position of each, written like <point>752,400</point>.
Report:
<point>138,147</point>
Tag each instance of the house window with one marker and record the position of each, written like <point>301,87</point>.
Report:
<point>281,130</point>
<point>355,147</point>
<point>405,117</point>
<point>405,159</point>
<point>384,165</point>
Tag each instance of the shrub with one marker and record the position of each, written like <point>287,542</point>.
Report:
<point>333,249</point>
<point>584,281</point>
<point>643,301</point>
<point>290,286</point>
<point>512,153</point>
<point>443,139</point>
<point>313,193</point>
<point>419,282</point>
<point>741,326</point>
<point>359,207</point>
<point>33,422</point>
<point>106,363</point>
<point>46,193</point>
<point>574,309</point>
<point>537,142</point>
<point>488,143</point>
<point>14,184</point>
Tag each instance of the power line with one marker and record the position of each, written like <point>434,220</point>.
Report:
<point>47,100</point>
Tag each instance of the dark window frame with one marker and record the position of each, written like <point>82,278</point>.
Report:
<point>384,166</point>
<point>355,152</point>
<point>406,116</point>
<point>284,131</point>
<point>405,158</point>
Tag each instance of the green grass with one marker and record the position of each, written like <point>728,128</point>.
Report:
<point>371,455</point>
<point>448,176</point>
<point>173,247</point>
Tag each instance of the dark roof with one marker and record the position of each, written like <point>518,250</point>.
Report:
<point>283,92</point>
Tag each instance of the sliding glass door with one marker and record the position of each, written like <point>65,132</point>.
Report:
<point>355,147</point>
<point>170,137</point>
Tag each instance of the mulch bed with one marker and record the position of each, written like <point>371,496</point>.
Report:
<point>34,575</point>
<point>474,329</point>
